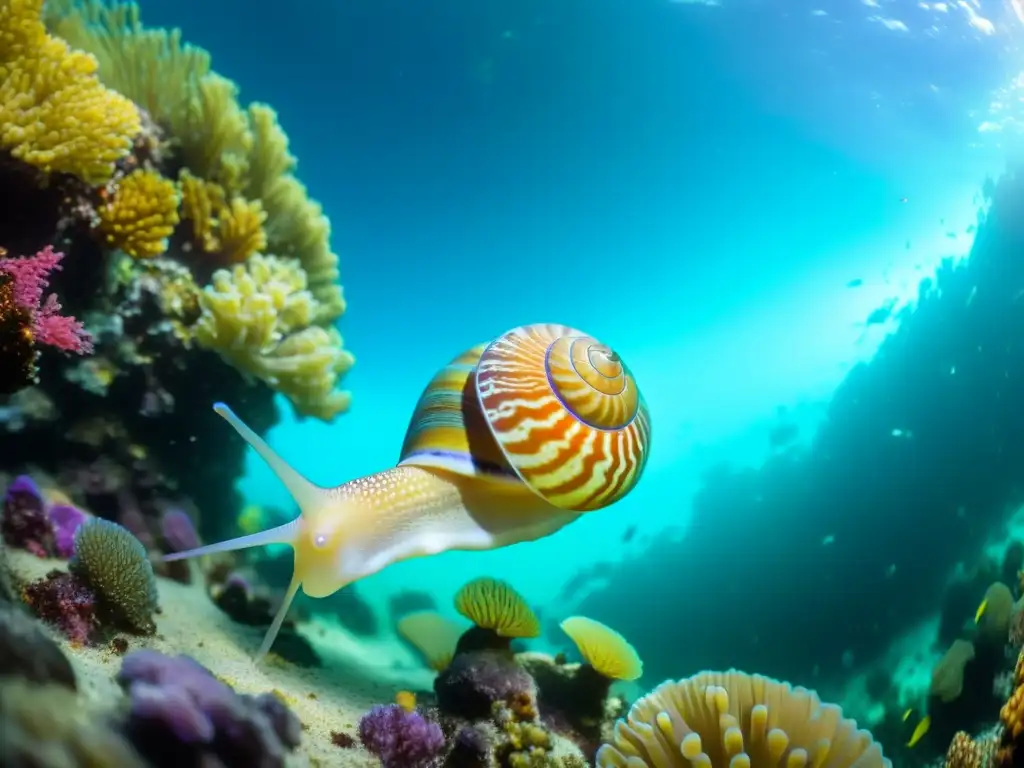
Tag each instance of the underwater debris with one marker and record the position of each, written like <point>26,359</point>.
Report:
<point>680,723</point>
<point>27,651</point>
<point>399,738</point>
<point>114,563</point>
<point>181,714</point>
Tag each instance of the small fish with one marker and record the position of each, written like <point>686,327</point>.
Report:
<point>628,535</point>
<point>920,731</point>
<point>903,199</point>
<point>830,539</point>
<point>857,282</point>
<point>406,700</point>
<point>907,714</point>
<point>981,611</point>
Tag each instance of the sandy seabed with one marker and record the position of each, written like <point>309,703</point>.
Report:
<point>356,672</point>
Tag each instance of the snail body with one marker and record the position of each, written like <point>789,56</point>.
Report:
<point>509,442</point>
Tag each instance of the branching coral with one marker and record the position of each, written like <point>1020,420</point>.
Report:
<point>259,317</point>
<point>30,276</point>
<point>232,230</point>
<point>244,151</point>
<point>54,112</point>
<point>731,720</point>
<point>141,214</point>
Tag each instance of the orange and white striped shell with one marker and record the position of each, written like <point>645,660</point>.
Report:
<point>544,405</point>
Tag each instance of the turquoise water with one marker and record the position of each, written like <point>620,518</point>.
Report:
<point>694,184</point>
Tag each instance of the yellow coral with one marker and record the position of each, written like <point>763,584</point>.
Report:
<point>243,150</point>
<point>603,648</point>
<point>200,200</point>
<point>495,605</point>
<point>736,720</point>
<point>141,214</point>
<point>231,229</point>
<point>54,112</point>
<point>433,635</point>
<point>259,317</point>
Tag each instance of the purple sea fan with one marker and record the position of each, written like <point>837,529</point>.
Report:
<point>401,739</point>
<point>66,520</point>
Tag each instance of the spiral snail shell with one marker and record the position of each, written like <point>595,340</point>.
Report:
<point>545,405</point>
<point>509,442</point>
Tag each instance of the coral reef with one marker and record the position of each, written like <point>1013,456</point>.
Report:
<point>56,115</point>
<point>180,714</point>
<point>124,149</point>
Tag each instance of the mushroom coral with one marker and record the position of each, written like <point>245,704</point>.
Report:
<point>433,635</point>
<point>499,613</point>
<point>735,720</point>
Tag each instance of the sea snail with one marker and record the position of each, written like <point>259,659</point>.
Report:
<point>509,442</point>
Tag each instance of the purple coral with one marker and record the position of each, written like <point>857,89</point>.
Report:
<point>401,739</point>
<point>65,520</point>
<point>178,531</point>
<point>24,523</point>
<point>182,715</point>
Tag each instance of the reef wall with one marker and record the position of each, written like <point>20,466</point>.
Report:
<point>836,549</point>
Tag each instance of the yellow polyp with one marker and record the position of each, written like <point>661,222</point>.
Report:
<point>691,746</point>
<point>664,723</point>
<point>741,760</point>
<point>717,698</point>
<point>797,759</point>
<point>758,724</point>
<point>732,740</point>
<point>778,742</point>
<point>141,215</point>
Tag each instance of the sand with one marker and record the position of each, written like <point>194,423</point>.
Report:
<point>356,673</point>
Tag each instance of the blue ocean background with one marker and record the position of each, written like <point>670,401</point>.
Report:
<point>726,194</point>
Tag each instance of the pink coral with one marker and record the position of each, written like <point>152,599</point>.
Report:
<point>31,278</point>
